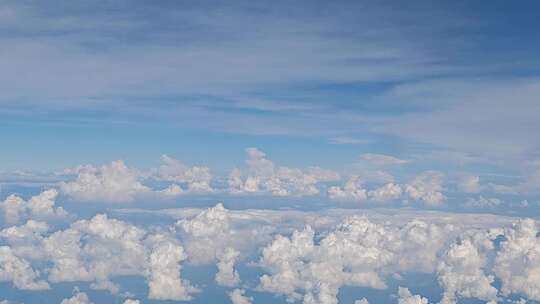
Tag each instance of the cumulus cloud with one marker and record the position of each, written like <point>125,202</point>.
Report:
<point>304,256</point>
<point>354,191</point>
<point>77,298</point>
<point>387,192</point>
<point>264,177</point>
<point>517,264</point>
<point>19,271</point>
<point>351,191</point>
<point>131,301</point>
<point>164,281</point>
<point>406,297</point>
<point>196,179</point>
<point>237,296</point>
<point>227,275</point>
<point>41,206</point>
<point>461,271</point>
<point>427,187</point>
<point>114,182</point>
<point>361,301</point>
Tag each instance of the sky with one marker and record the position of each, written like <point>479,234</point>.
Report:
<point>152,130</point>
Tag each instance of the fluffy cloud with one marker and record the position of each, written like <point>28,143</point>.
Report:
<point>461,271</point>
<point>77,298</point>
<point>406,297</point>
<point>517,264</point>
<point>387,192</point>
<point>350,255</point>
<point>114,182</point>
<point>361,301</point>
<point>26,240</point>
<point>164,281</point>
<point>263,176</point>
<point>227,275</point>
<point>196,178</point>
<point>352,191</point>
<point>237,297</point>
<point>427,187</point>
<point>19,271</point>
<point>131,301</point>
<point>41,206</point>
<point>303,255</point>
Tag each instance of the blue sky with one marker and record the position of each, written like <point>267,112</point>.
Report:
<point>391,76</point>
<point>307,120</point>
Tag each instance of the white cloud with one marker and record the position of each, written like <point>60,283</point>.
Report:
<point>361,301</point>
<point>114,182</point>
<point>264,177</point>
<point>406,297</point>
<point>196,178</point>
<point>77,298</point>
<point>26,240</point>
<point>517,264</point>
<point>382,160</point>
<point>387,192</point>
<point>164,281</point>
<point>351,191</point>
<point>427,187</point>
<point>41,206</point>
<point>469,184</point>
<point>19,271</point>
<point>131,301</point>
<point>461,270</point>
<point>227,275</point>
<point>237,296</point>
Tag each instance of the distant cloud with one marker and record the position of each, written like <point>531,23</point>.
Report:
<point>382,160</point>
<point>347,140</point>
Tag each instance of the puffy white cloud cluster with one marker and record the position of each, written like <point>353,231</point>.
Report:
<point>517,264</point>
<point>131,301</point>
<point>357,253</point>
<point>351,191</point>
<point>303,255</point>
<point>362,301</point>
<point>197,179</point>
<point>354,191</point>
<point>406,297</point>
<point>227,275</point>
<point>427,187</point>
<point>209,237</point>
<point>41,206</point>
<point>114,182</point>
<point>461,270</point>
<point>164,281</point>
<point>19,271</point>
<point>77,298</point>
<point>95,251</point>
<point>237,296</point>
<point>263,176</point>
